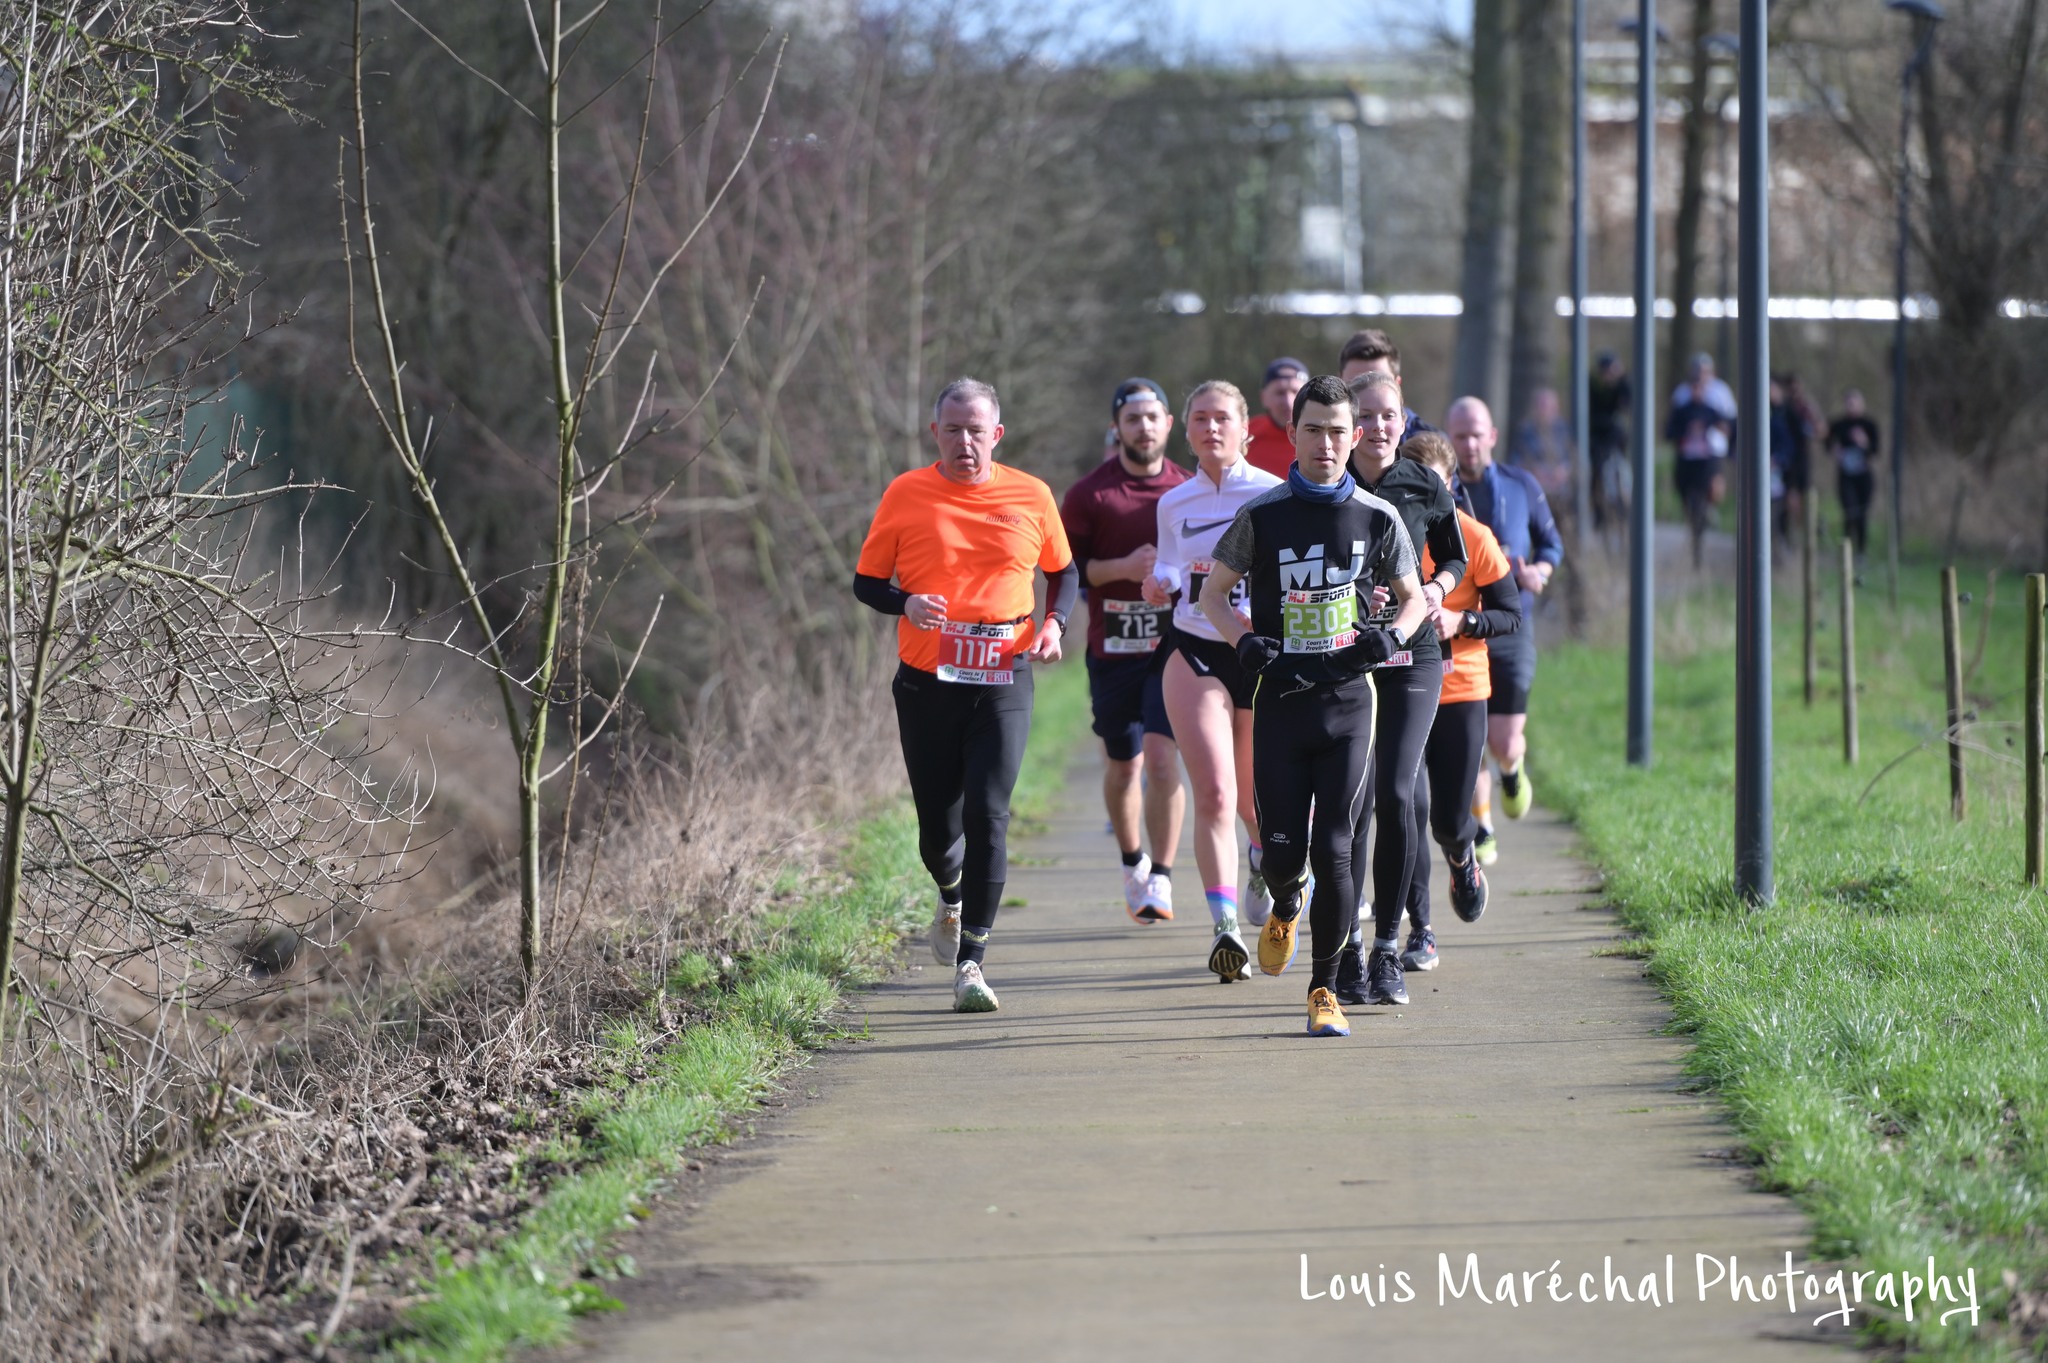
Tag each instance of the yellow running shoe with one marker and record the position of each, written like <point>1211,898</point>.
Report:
<point>1325,1018</point>
<point>1276,944</point>
<point>1517,791</point>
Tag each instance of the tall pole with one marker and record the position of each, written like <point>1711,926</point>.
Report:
<point>1753,872</point>
<point>1642,560</point>
<point>1925,17</point>
<point>1894,491</point>
<point>1582,438</point>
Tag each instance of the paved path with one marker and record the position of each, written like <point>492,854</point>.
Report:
<point>1130,1160</point>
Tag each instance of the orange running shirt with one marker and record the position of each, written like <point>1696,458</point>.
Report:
<point>1466,676</point>
<point>973,544</point>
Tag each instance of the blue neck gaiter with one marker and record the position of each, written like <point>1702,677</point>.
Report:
<point>1338,491</point>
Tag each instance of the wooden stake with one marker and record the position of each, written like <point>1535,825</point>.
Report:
<point>1809,574</point>
<point>1952,666</point>
<point>1848,652</point>
<point>2037,775</point>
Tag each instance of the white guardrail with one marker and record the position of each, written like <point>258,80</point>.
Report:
<point>1313,303</point>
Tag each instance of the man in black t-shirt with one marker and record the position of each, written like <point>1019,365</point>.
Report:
<point>1311,551</point>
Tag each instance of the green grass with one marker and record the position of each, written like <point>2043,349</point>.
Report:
<point>778,1001</point>
<point>1877,1033</point>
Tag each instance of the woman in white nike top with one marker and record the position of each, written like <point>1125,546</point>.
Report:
<point>1208,693</point>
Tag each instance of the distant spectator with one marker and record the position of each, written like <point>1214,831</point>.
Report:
<point>1702,429</point>
<point>1543,446</point>
<point>1608,395</point>
<point>1853,440</point>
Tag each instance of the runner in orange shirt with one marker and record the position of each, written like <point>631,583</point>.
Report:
<point>1486,604</point>
<point>961,538</point>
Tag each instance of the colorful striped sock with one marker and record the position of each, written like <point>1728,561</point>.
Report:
<point>1222,905</point>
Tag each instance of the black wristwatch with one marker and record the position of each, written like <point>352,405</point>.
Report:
<point>1467,622</point>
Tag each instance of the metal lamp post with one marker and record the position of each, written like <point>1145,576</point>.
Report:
<point>1642,560</point>
<point>1926,15</point>
<point>1753,791</point>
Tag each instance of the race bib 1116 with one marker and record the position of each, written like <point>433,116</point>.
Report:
<point>985,655</point>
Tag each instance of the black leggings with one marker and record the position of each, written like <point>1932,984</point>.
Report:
<point>1856,490</point>
<point>963,745</point>
<point>1310,748</point>
<point>1443,803</point>
<point>1407,705</point>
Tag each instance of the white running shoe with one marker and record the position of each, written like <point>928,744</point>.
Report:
<point>1135,878</point>
<point>1258,900</point>
<point>971,993</point>
<point>946,933</point>
<point>1157,904</point>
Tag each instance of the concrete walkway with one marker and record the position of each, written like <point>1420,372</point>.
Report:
<point>1130,1160</point>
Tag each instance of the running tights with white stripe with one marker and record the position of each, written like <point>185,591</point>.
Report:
<point>1309,752</point>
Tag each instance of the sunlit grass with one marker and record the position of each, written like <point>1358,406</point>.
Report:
<point>1878,1032</point>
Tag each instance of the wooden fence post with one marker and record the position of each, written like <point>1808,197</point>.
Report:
<point>1952,667</point>
<point>1848,652</point>
<point>1809,570</point>
<point>2037,775</point>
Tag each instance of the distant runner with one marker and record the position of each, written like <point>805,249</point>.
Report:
<point>1272,447</point>
<point>1112,523</point>
<point>1486,605</point>
<point>1208,691</point>
<point>1511,504</point>
<point>1372,351</point>
<point>1311,551</point>
<point>960,538</point>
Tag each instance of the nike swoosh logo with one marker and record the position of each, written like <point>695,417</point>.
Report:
<point>1190,528</point>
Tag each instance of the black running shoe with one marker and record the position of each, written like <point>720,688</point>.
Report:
<point>1468,887</point>
<point>1350,986</point>
<point>1421,952</point>
<point>1383,978</point>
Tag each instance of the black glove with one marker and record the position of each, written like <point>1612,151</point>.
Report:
<point>1256,652</point>
<point>1373,646</point>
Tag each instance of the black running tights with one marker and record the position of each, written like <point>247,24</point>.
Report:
<point>963,745</point>
<point>1309,751</point>
<point>1407,705</point>
<point>1443,803</point>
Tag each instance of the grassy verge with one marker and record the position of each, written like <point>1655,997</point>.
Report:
<point>1878,1033</point>
<point>758,1019</point>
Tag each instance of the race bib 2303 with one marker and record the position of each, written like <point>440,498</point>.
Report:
<point>1319,621</point>
<point>985,655</point>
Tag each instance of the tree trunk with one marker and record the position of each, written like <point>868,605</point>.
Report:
<point>1539,206</point>
<point>1698,135</point>
<point>1489,195</point>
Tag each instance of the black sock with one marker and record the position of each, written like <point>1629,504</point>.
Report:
<point>949,895</point>
<point>1165,872</point>
<point>1133,858</point>
<point>973,945</point>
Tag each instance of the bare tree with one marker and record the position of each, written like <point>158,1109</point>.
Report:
<point>1544,33</point>
<point>1489,204</point>
<point>534,652</point>
<point>179,772</point>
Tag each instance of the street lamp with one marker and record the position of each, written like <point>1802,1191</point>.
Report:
<point>1754,881</point>
<point>1729,47</point>
<point>1642,590</point>
<point>1582,458</point>
<point>1926,15</point>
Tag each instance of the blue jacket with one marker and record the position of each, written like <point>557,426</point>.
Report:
<point>1519,515</point>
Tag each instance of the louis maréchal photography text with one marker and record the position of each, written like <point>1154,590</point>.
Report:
<point>1827,1296</point>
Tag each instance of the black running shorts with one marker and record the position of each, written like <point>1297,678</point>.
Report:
<point>1210,658</point>
<point>1128,703</point>
<point>1511,666</point>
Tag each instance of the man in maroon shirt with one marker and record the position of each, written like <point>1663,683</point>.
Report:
<point>1112,521</point>
<point>1272,447</point>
